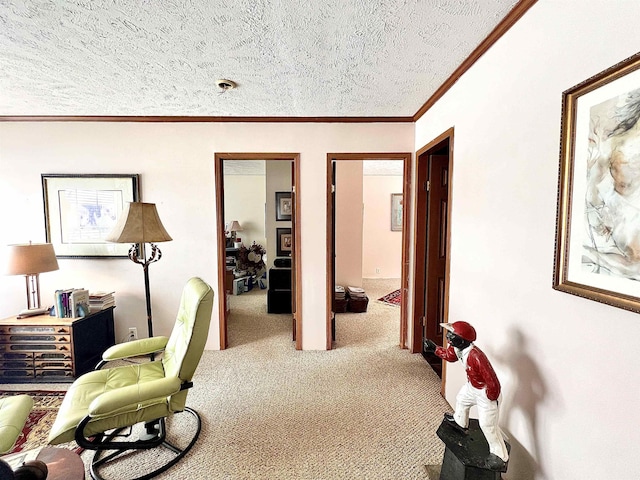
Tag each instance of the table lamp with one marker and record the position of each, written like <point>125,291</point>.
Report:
<point>234,227</point>
<point>140,224</point>
<point>31,260</point>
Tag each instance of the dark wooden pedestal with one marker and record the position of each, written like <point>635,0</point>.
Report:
<point>279,293</point>
<point>466,455</point>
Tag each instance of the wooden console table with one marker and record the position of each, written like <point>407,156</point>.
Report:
<point>51,349</point>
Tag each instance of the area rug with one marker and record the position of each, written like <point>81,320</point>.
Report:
<point>43,414</point>
<point>392,298</point>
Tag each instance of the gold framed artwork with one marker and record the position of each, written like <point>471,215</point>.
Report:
<point>598,223</point>
<point>80,210</point>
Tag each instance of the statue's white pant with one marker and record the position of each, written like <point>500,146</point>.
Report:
<point>488,413</point>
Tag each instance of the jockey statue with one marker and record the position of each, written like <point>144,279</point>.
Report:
<point>482,388</point>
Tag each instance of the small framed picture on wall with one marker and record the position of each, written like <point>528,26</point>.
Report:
<point>283,242</point>
<point>283,206</point>
<point>396,212</point>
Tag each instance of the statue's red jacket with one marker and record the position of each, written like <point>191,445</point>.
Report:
<point>480,373</point>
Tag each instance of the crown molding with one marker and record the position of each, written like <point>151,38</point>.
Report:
<point>201,119</point>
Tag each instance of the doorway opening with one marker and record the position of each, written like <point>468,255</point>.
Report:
<point>434,165</point>
<point>275,228</point>
<point>402,221</point>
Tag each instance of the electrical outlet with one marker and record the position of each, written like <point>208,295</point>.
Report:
<point>133,334</point>
<point>377,270</point>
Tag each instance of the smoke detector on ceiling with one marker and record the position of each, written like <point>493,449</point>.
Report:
<point>225,85</point>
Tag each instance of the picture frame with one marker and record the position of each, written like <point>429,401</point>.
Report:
<point>597,255</point>
<point>396,212</point>
<point>284,207</point>
<point>283,242</point>
<point>81,209</point>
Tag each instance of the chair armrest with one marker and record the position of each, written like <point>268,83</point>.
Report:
<point>133,395</point>
<point>135,348</point>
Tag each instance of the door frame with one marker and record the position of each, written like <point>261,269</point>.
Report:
<point>420,242</point>
<point>220,235</point>
<point>406,196</point>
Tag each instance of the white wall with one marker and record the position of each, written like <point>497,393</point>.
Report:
<point>278,180</point>
<point>244,201</point>
<point>176,164</point>
<point>571,364</point>
<point>348,220</point>
<point>381,248</point>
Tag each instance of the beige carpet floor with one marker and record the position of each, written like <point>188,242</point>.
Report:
<point>365,410</point>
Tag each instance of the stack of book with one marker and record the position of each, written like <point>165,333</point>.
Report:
<point>72,303</point>
<point>340,299</point>
<point>101,300</point>
<point>356,292</point>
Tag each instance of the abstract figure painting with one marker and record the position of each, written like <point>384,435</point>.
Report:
<point>598,229</point>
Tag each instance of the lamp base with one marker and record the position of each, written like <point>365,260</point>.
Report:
<point>31,312</point>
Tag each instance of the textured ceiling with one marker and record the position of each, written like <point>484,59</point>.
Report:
<point>290,58</point>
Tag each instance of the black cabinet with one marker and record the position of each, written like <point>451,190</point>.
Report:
<point>92,335</point>
<point>279,293</point>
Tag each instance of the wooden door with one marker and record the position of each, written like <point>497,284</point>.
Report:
<point>293,251</point>
<point>332,273</point>
<point>436,252</point>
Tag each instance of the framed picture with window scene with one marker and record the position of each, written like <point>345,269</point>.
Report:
<point>598,225</point>
<point>81,209</point>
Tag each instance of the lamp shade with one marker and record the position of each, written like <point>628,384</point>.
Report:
<point>30,259</point>
<point>139,223</point>
<point>235,227</point>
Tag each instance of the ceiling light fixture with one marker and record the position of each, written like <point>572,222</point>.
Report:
<point>224,85</point>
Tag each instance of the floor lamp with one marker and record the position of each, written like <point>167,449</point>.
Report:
<point>140,224</point>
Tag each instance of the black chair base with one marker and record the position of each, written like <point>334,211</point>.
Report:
<point>102,443</point>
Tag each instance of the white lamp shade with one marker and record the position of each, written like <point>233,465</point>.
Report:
<point>139,223</point>
<point>235,227</point>
<point>29,259</point>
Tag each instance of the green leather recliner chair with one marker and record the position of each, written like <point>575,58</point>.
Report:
<point>102,403</point>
